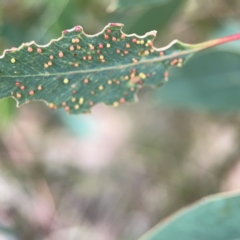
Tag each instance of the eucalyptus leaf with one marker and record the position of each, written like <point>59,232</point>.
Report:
<point>213,218</point>
<point>77,71</point>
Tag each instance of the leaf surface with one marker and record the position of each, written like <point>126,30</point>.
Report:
<point>77,71</point>
<point>213,218</point>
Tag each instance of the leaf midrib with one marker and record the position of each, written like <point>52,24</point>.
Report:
<point>117,67</point>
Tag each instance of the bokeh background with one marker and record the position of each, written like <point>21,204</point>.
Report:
<point>117,172</point>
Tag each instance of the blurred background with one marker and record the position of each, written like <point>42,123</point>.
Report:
<point>115,173</point>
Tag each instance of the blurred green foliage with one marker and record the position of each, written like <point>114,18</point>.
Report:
<point>210,82</point>
<point>118,176</point>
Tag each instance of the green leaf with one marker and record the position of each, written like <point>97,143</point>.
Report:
<point>209,81</point>
<point>7,110</point>
<point>78,71</point>
<point>213,218</point>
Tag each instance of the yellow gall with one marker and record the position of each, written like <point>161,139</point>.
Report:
<point>51,105</point>
<point>13,60</point>
<point>65,81</point>
<point>76,106</point>
<point>100,87</point>
<point>142,75</point>
<point>81,100</point>
<point>115,104</point>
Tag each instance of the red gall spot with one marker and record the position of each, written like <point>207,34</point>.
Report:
<point>128,45</point>
<point>117,82</point>
<point>150,44</point>
<point>114,39</point>
<point>39,50</point>
<point>17,84</point>
<point>166,75</point>
<point>89,58</point>
<point>74,91</point>
<point>91,103</point>
<point>60,54</point>
<point>71,48</point>
<point>161,53</point>
<point>86,81</point>
<point>133,70</point>
<point>103,60</point>
<point>51,57</point>
<point>180,60</point>
<point>173,62</point>
<point>100,45</point>
<point>91,47</point>
<point>106,36</point>
<point>64,104</point>
<point>76,64</point>
<point>98,51</point>
<point>77,40</point>
<point>125,52</point>
<point>136,79</point>
<point>122,36</point>
<point>92,92</point>
<point>78,28</point>
<point>108,31</point>
<point>134,40</point>
<point>148,75</point>
<point>67,109</point>
<point>122,100</point>
<point>78,47</point>
<point>31,92</point>
<point>30,49</point>
<point>65,31</point>
<point>22,87</point>
<point>118,51</point>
